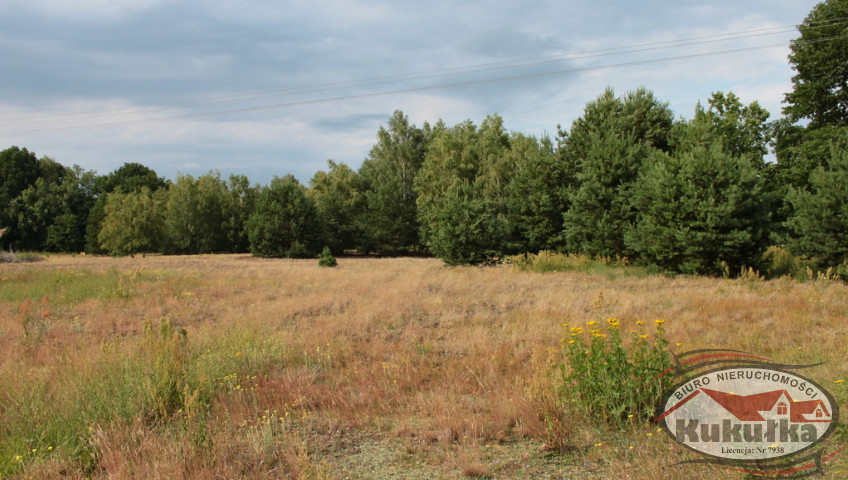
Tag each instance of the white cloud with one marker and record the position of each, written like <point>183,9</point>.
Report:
<point>115,56</point>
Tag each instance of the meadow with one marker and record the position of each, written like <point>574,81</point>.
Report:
<point>230,366</point>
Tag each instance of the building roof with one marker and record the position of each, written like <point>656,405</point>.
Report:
<point>747,408</point>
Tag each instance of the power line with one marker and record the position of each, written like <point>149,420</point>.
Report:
<point>597,54</point>
<point>398,91</point>
<point>421,75</point>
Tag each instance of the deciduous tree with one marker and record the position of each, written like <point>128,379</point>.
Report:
<point>285,222</point>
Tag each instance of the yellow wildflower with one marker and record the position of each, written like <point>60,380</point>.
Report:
<point>659,322</point>
<point>591,323</point>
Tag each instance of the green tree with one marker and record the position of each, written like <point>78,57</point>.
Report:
<point>18,170</point>
<point>700,211</point>
<point>130,177</point>
<point>800,151</point>
<point>340,206</point>
<point>819,226</point>
<point>284,223</point>
<point>388,178</point>
<point>32,212</point>
<point>50,214</point>
<point>67,230</point>
<point>133,222</point>
<point>462,193</point>
<point>240,204</point>
<point>195,214</point>
<point>743,130</point>
<point>820,59</point>
<point>537,192</point>
<point>606,148</point>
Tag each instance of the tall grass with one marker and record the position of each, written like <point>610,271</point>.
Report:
<point>548,261</point>
<point>379,368</point>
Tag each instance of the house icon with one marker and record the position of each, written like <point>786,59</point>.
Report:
<point>773,405</point>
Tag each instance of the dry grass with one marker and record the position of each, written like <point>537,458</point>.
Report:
<point>379,368</point>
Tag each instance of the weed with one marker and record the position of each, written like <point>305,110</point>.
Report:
<point>34,326</point>
<point>166,352</point>
<point>615,384</point>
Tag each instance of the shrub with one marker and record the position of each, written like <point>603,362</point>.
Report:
<point>326,259</point>
<point>616,384</point>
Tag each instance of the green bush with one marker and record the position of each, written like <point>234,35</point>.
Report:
<point>326,259</point>
<point>615,384</point>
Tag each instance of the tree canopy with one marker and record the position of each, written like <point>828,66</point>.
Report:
<point>820,60</point>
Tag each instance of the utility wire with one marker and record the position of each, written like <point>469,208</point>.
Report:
<point>428,74</point>
<point>339,85</point>
<point>398,91</point>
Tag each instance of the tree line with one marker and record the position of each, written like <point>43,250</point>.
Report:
<point>628,179</point>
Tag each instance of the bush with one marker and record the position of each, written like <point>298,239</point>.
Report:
<point>326,259</point>
<point>615,384</point>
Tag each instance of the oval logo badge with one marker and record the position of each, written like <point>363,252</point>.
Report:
<point>755,413</point>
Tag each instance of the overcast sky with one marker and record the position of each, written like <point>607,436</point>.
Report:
<point>267,88</point>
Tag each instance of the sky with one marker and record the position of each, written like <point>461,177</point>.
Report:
<point>265,88</point>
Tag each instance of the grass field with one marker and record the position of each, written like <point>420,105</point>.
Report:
<point>230,366</point>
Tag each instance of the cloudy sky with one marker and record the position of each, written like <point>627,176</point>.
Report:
<point>265,88</point>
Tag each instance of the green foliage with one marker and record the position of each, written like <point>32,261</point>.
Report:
<point>536,194</point>
<point>166,350</point>
<point>819,57</point>
<point>129,178</point>
<point>239,204</point>
<point>462,193</point>
<point>606,148</point>
<point>600,210</point>
<point>800,151</point>
<point>819,227</point>
<point>614,383</point>
<point>50,214</point>
<point>742,130</point>
<point>326,258</point>
<point>18,170</point>
<point>133,222</point>
<point>466,228</point>
<point>779,262</point>
<point>340,205</point>
<point>195,214</point>
<point>700,211</point>
<point>548,261</point>
<point>284,223</point>
<point>388,179</point>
